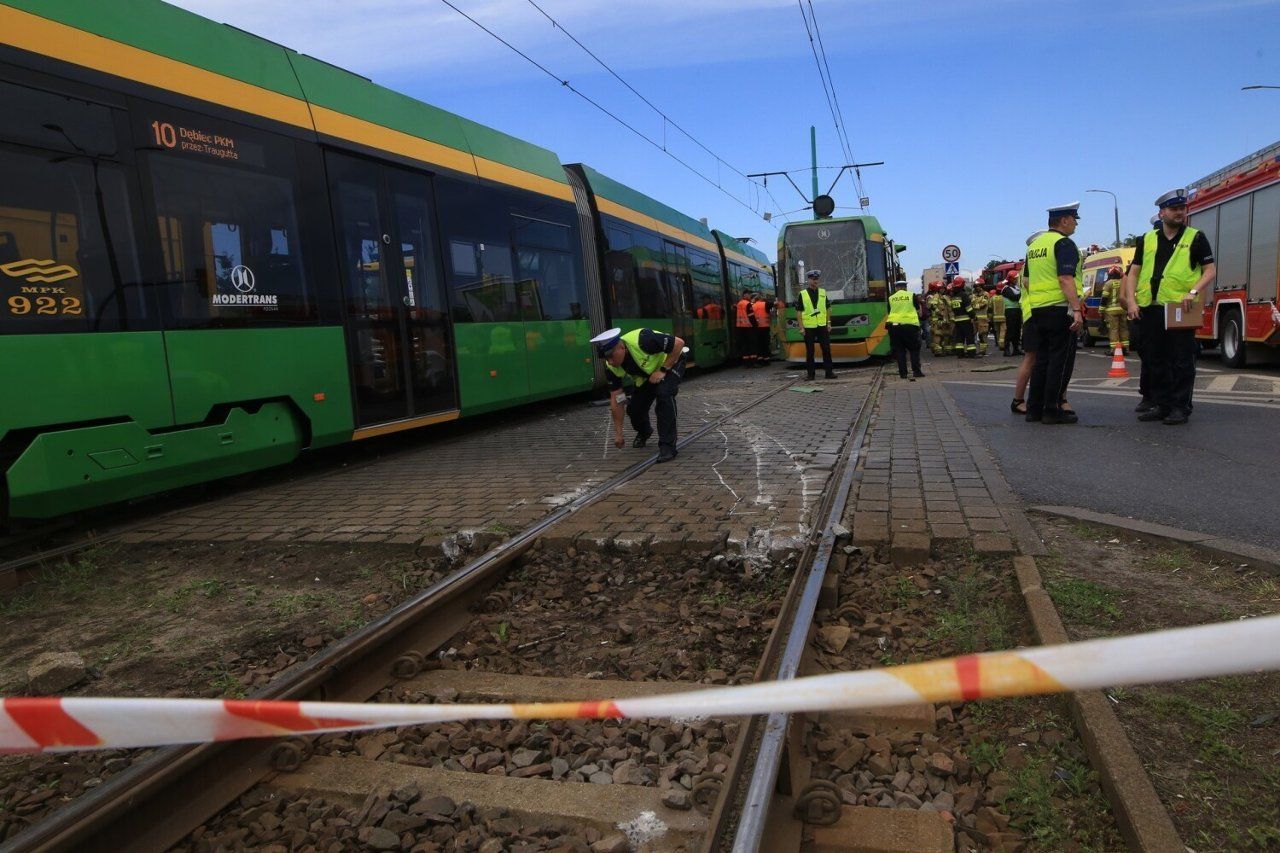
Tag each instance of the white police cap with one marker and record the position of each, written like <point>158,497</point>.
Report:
<point>606,341</point>
<point>1033,237</point>
<point>1071,209</point>
<point>1155,220</point>
<point>1172,197</point>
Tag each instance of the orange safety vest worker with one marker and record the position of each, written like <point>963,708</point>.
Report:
<point>744,305</point>
<point>761,309</point>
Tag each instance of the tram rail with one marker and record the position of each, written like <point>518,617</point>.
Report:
<point>156,802</point>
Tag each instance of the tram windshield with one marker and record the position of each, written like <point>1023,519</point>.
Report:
<point>837,249</point>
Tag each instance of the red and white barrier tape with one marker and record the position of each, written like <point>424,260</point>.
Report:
<point>1253,645</point>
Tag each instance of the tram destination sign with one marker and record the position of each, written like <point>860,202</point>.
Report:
<point>951,253</point>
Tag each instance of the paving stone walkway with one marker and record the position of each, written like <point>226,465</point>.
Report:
<point>926,476</point>
<point>488,482</point>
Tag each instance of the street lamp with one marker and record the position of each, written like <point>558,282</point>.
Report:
<point>1115,206</point>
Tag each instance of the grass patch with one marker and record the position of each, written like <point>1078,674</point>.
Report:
<point>294,603</point>
<point>1086,601</point>
<point>180,599</point>
<point>1169,559</point>
<point>971,620</point>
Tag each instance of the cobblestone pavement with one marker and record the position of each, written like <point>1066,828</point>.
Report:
<point>926,475</point>
<point>753,483</point>
<point>486,483</point>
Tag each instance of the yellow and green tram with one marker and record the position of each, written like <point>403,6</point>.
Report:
<point>858,262</point>
<point>217,253</point>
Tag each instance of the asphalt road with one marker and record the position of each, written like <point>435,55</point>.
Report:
<point>1218,474</point>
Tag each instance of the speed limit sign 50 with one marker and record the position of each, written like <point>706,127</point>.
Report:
<point>951,253</point>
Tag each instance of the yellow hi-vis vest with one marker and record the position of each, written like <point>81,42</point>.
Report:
<point>901,311</point>
<point>814,316</point>
<point>1043,288</point>
<point>649,362</point>
<point>1178,276</point>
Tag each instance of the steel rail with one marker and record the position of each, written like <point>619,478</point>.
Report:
<point>763,737</point>
<point>755,809</point>
<point>154,803</point>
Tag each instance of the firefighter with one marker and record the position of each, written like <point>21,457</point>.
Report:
<point>962,320</point>
<point>1053,295</point>
<point>760,321</point>
<point>643,367</point>
<point>815,318</point>
<point>1173,263</point>
<point>1011,293</point>
<point>742,330</point>
<point>939,319</point>
<point>1113,302</point>
<point>904,329</point>
<point>997,313</point>
<point>981,317</point>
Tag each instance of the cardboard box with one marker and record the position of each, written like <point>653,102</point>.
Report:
<point>1176,318</point>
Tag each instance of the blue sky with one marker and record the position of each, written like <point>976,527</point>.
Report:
<point>985,113</point>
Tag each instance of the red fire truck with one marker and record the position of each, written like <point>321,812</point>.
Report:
<point>1238,208</point>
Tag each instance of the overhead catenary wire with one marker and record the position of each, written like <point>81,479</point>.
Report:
<point>566,84</point>
<point>819,51</point>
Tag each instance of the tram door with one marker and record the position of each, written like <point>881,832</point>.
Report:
<point>397,322</point>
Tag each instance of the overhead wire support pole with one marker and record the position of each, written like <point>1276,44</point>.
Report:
<point>787,175</point>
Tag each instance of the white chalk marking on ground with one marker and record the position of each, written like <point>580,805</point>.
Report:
<point>1200,396</point>
<point>1221,383</point>
<point>645,828</point>
<point>737,499</point>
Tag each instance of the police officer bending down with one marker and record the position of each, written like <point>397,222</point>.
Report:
<point>643,366</point>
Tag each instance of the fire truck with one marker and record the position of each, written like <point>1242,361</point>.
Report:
<point>1238,208</point>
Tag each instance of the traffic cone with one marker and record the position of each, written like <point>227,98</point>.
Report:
<point>1118,370</point>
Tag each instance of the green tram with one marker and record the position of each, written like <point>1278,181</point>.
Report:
<point>858,262</point>
<point>216,253</point>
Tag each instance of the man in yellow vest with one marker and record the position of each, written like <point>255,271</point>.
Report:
<point>1172,264</point>
<point>643,366</point>
<point>815,318</point>
<point>1053,297</point>
<point>904,329</point>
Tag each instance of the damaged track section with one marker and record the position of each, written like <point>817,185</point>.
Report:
<point>159,800</point>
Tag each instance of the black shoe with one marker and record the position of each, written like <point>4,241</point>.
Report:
<point>919,374</point>
<point>1175,417</point>
<point>666,454</point>
<point>1155,413</point>
<point>810,379</point>
<point>902,376</point>
<point>911,378</point>
<point>1145,406</point>
<point>1059,418</point>
<point>1032,418</point>
<point>830,374</point>
<point>640,440</point>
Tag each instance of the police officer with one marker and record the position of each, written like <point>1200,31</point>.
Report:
<point>643,366</point>
<point>815,318</point>
<point>1113,302</point>
<point>904,329</point>
<point>1172,264</point>
<point>1053,296</point>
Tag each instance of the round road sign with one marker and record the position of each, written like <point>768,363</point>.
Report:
<point>951,253</point>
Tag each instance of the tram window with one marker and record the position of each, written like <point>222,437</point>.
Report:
<point>552,278</point>
<point>230,245</point>
<point>64,267</point>
<point>483,286</point>
<point>537,232</point>
<point>56,122</point>
<point>635,273</point>
<point>708,293</point>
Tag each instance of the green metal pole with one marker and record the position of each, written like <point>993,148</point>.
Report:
<point>813,154</point>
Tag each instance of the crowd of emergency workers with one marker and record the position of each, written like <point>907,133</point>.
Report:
<point>1036,311</point>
